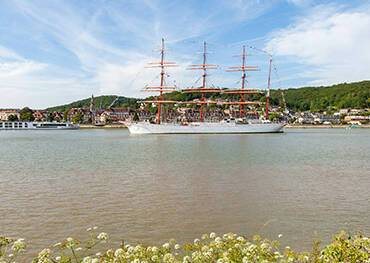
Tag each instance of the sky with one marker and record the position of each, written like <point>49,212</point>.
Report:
<point>54,52</point>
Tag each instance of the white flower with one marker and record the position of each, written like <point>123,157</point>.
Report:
<point>280,235</point>
<point>95,227</point>
<point>10,255</point>
<point>98,254</point>
<point>69,239</point>
<point>118,252</point>
<point>79,249</point>
<point>94,260</point>
<point>212,235</point>
<point>218,240</point>
<point>19,245</point>
<point>166,245</point>
<point>154,249</point>
<point>186,259</point>
<point>89,229</point>
<point>154,258</point>
<point>58,258</point>
<point>240,239</point>
<point>177,246</point>
<point>102,236</point>
<point>57,244</point>
<point>86,260</point>
<point>196,241</point>
<point>168,258</point>
<point>264,245</point>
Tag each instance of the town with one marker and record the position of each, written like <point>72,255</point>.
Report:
<point>119,115</point>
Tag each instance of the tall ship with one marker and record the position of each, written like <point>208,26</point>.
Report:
<point>242,122</point>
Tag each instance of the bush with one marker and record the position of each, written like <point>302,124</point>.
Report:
<point>209,248</point>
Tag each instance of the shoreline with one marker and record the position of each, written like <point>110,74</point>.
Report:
<point>289,126</point>
<point>109,126</point>
<point>310,126</point>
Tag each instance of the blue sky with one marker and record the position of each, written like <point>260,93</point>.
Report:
<point>54,52</point>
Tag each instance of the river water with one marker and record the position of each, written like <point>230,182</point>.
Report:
<point>305,184</point>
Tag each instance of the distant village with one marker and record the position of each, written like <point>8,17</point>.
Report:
<point>100,117</point>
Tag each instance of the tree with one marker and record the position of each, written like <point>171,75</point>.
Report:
<point>77,118</point>
<point>65,115</point>
<point>13,117</point>
<point>26,114</point>
<point>50,116</point>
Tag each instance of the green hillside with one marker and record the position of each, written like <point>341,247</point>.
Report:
<point>102,102</point>
<point>346,95</point>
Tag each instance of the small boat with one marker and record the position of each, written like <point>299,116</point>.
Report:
<point>19,125</point>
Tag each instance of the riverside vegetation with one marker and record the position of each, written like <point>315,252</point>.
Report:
<point>209,248</point>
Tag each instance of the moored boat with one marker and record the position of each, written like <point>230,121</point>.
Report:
<point>22,125</point>
<point>205,128</point>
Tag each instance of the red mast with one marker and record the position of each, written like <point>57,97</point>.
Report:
<point>204,78</point>
<point>162,87</point>
<point>268,91</point>
<point>241,106</point>
<point>203,89</point>
<point>243,69</point>
<point>162,83</point>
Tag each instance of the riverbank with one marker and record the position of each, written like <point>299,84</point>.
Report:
<point>322,126</point>
<point>289,126</point>
<point>108,126</point>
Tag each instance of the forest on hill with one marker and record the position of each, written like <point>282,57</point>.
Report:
<point>101,102</point>
<point>325,98</point>
<point>345,95</point>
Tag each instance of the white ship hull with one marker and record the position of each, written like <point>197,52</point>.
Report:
<point>195,128</point>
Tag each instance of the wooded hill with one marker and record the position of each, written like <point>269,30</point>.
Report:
<point>345,95</point>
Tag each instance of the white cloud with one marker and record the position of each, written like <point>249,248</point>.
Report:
<point>332,44</point>
<point>299,2</point>
<point>102,47</point>
<point>6,53</point>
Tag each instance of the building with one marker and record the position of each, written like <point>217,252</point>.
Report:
<point>4,114</point>
<point>114,115</point>
<point>354,119</point>
<point>40,115</point>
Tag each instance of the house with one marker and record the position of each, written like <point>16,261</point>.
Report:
<point>40,115</point>
<point>114,115</point>
<point>4,114</point>
<point>343,111</point>
<point>354,119</point>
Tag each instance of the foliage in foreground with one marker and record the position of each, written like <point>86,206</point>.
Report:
<point>210,248</point>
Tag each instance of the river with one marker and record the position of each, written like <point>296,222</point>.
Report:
<point>305,184</point>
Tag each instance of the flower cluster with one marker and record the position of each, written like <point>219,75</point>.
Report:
<point>211,247</point>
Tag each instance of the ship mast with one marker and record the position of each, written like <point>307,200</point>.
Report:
<point>204,78</point>
<point>162,88</point>
<point>268,90</point>
<point>162,83</point>
<point>203,89</point>
<point>242,91</point>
